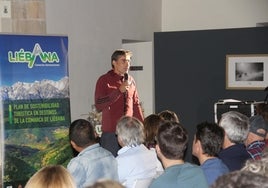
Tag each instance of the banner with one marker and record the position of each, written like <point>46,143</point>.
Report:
<point>34,105</point>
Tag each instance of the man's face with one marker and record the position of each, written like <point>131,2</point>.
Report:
<point>121,65</point>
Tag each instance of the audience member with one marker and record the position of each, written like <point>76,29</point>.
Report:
<point>236,128</point>
<point>93,162</point>
<point>172,140</point>
<point>116,95</point>
<point>135,161</point>
<point>151,124</point>
<point>241,179</point>
<point>105,183</point>
<point>255,141</point>
<point>169,115</point>
<point>258,166</point>
<point>53,176</point>
<point>265,116</point>
<point>207,143</point>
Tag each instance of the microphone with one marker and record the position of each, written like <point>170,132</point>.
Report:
<point>126,77</point>
<point>125,94</point>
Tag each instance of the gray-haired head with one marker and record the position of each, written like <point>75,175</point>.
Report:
<point>235,125</point>
<point>130,131</point>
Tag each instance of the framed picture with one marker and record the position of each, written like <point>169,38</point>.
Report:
<point>247,71</point>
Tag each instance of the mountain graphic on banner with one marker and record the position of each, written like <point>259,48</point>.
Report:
<point>43,89</point>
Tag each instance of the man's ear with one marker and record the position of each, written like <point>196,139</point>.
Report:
<point>199,146</point>
<point>73,144</point>
<point>76,147</point>
<point>120,141</point>
<point>113,62</point>
<point>157,149</point>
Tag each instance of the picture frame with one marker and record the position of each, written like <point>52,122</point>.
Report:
<point>247,72</point>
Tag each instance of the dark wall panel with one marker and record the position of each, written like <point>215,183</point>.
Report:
<point>190,71</point>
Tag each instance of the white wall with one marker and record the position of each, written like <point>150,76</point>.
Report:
<point>95,29</point>
<point>179,15</point>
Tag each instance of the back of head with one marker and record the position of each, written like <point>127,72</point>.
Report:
<point>235,125</point>
<point>82,133</point>
<point>241,179</point>
<point>256,166</point>
<point>169,115</point>
<point>210,136</point>
<point>172,139</point>
<point>54,176</point>
<point>151,124</point>
<point>106,184</point>
<point>130,131</point>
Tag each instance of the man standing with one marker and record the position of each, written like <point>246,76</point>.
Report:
<point>116,95</point>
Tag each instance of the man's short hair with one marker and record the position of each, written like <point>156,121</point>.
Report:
<point>235,125</point>
<point>211,137</point>
<point>169,115</point>
<point>130,130</point>
<point>118,53</point>
<point>172,139</point>
<point>82,133</point>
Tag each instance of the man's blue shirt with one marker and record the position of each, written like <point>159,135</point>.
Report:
<point>234,156</point>
<point>183,175</point>
<point>213,168</point>
<point>91,164</point>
